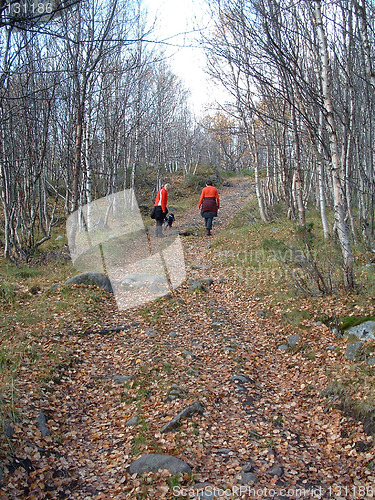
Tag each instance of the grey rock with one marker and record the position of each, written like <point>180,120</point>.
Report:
<point>173,334</point>
<point>293,340</point>
<point>54,287</point>
<point>336,332</point>
<point>188,354</point>
<point>41,422</point>
<point>248,478</point>
<point>283,347</point>
<point>191,371</point>
<point>203,267</point>
<point>331,348</point>
<point>371,361</point>
<point>59,238</point>
<point>225,451</point>
<point>352,350</point>
<point>97,279</point>
<point>261,314</point>
<point>132,422</point>
<point>169,398</point>
<point>247,468</point>
<point>154,462</point>
<point>197,286</point>
<point>8,430</point>
<point>229,349</point>
<point>150,332</point>
<point>207,281</point>
<point>121,379</point>
<point>174,393</point>
<point>187,412</point>
<point>364,331</point>
<point>241,379</point>
<point>276,471</point>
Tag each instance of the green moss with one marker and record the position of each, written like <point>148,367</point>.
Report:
<point>350,321</point>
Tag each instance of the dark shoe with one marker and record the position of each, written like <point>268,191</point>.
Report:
<point>208,232</point>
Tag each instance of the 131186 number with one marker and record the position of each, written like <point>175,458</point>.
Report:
<point>29,8</point>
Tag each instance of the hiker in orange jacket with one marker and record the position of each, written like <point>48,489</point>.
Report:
<point>209,204</point>
<point>161,209</point>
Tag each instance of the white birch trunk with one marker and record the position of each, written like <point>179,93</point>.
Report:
<point>338,193</point>
<point>322,196</point>
<point>258,188</point>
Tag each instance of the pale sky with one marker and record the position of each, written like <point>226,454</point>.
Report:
<point>177,19</point>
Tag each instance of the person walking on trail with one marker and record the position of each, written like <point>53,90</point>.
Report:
<point>209,204</point>
<point>161,209</point>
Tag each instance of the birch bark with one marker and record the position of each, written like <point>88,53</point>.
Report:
<point>338,192</point>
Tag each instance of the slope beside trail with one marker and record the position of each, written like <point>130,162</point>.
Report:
<point>271,428</point>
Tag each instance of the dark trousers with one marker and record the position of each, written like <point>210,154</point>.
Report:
<point>208,218</point>
<point>159,228</point>
<point>208,222</point>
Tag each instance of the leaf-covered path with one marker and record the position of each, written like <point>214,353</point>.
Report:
<point>264,421</point>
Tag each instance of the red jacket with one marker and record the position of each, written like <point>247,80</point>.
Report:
<point>162,199</point>
<point>209,192</point>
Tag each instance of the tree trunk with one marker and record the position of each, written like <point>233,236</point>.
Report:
<point>338,193</point>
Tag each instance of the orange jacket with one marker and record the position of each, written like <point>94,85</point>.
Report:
<point>209,192</point>
<point>162,199</point>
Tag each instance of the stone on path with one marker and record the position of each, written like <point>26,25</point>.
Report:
<point>187,412</point>
<point>248,478</point>
<point>196,286</point>
<point>41,422</point>
<point>352,350</point>
<point>293,340</point>
<point>92,278</point>
<point>240,379</point>
<point>153,462</point>
<point>133,421</point>
<point>364,331</point>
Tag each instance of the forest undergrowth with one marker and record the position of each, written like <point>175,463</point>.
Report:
<point>294,423</point>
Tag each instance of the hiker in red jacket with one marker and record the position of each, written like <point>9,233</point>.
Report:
<point>209,204</point>
<point>161,209</point>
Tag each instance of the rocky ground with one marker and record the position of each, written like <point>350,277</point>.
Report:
<point>254,422</point>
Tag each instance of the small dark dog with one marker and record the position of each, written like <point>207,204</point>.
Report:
<point>168,221</point>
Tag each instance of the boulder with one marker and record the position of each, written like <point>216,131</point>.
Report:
<point>352,350</point>
<point>153,462</point>
<point>132,422</point>
<point>276,471</point>
<point>248,478</point>
<point>283,347</point>
<point>293,341</point>
<point>207,281</point>
<point>203,267</point>
<point>196,286</point>
<point>41,422</point>
<point>364,331</point>
<point>187,412</point>
<point>91,278</point>
<point>240,379</point>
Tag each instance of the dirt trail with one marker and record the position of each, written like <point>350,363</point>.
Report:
<point>273,422</point>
